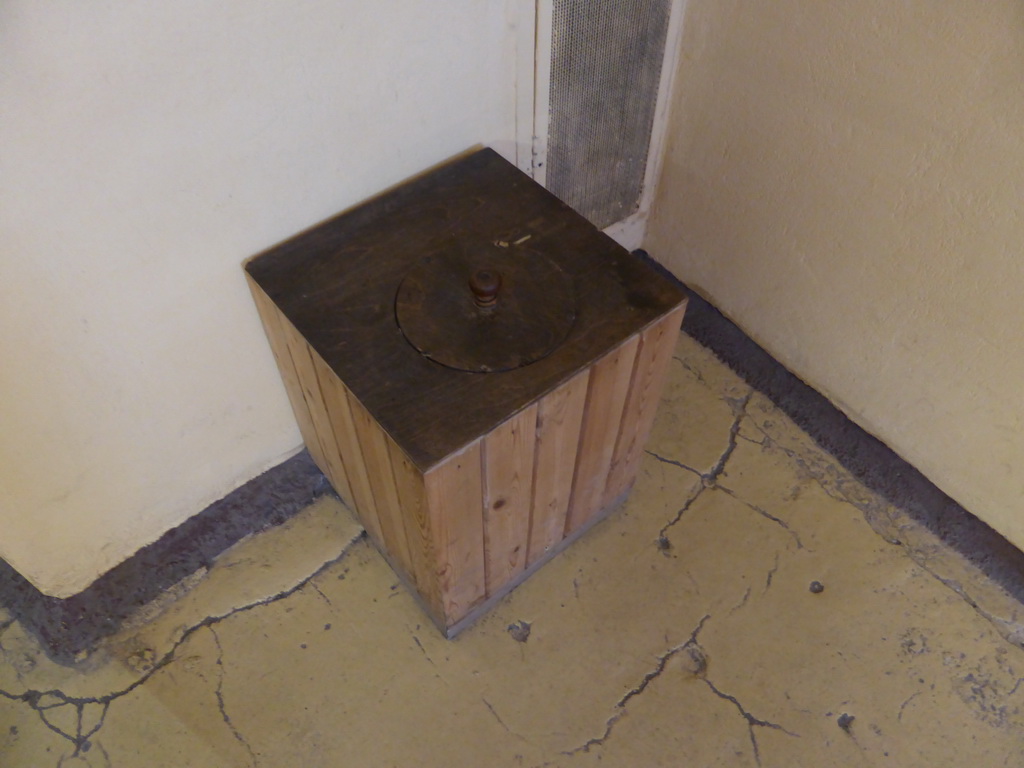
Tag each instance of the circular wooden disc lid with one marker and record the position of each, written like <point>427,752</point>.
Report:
<point>492,310</point>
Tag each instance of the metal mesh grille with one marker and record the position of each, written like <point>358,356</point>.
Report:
<point>605,65</point>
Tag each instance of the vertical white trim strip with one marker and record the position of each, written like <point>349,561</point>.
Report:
<point>522,20</point>
<point>632,231</point>
<point>541,88</point>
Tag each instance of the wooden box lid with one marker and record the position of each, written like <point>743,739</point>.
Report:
<point>337,283</point>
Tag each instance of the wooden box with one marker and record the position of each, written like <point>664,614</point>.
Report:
<point>469,473</point>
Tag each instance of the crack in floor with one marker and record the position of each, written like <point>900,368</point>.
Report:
<point>771,574</point>
<point>219,693</point>
<point>320,592</point>
<point>876,514</point>
<point>33,698</point>
<point>664,543</point>
<point>699,660</point>
<point>695,372</point>
<point>763,443</point>
<point>1012,634</point>
<point>424,650</point>
<point>708,479</point>
<point>91,745</point>
<point>752,722</point>
<point>674,463</point>
<point>620,705</point>
<point>1015,687</point>
<point>899,716</point>
<point>764,513</point>
<point>873,510</point>
<point>79,739</point>
<point>501,722</point>
<point>742,602</point>
<point>3,649</point>
<point>739,412</point>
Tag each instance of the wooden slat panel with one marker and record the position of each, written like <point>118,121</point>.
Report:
<point>412,496</point>
<point>508,483</point>
<point>657,344</point>
<point>455,501</point>
<point>330,388</point>
<point>606,397</point>
<point>272,325</point>
<point>559,418</point>
<point>305,369</point>
<point>336,401</point>
<point>374,444</point>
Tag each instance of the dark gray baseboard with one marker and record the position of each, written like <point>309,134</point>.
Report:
<point>68,627</point>
<point>868,459</point>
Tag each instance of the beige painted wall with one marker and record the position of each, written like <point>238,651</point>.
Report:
<point>146,149</point>
<point>846,181</point>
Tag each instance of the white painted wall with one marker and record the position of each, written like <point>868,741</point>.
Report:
<point>146,149</point>
<point>846,181</point>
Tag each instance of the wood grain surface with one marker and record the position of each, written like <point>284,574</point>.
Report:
<point>657,342</point>
<point>602,418</point>
<point>467,480</point>
<point>508,483</point>
<point>559,418</point>
<point>455,505</point>
<point>337,284</point>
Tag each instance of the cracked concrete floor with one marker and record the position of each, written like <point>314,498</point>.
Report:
<point>751,605</point>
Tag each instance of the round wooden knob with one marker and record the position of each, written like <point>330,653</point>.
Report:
<point>488,312</point>
<point>485,284</point>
